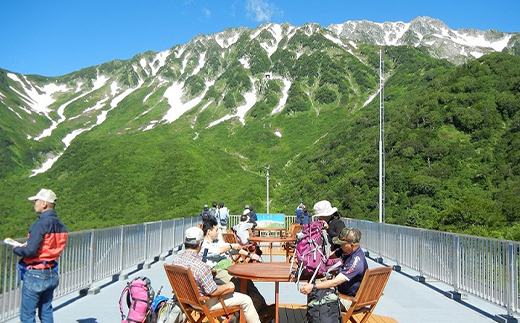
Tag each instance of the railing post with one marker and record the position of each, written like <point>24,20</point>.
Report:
<point>510,286</point>
<point>146,241</point>
<point>455,269</point>
<point>397,266</point>
<point>91,260</point>
<point>121,248</point>
<point>161,238</point>
<point>420,278</point>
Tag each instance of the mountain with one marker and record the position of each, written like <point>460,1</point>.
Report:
<point>161,134</point>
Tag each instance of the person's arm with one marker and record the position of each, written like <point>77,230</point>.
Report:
<point>33,243</point>
<point>338,280</point>
<point>228,246</point>
<point>222,288</point>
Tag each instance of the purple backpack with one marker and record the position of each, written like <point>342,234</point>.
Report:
<point>312,252</point>
<point>139,298</point>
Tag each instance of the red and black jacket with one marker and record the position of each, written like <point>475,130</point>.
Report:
<point>46,240</point>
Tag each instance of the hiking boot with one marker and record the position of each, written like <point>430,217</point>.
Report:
<point>268,314</point>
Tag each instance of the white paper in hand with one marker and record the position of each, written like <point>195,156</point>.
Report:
<point>13,242</point>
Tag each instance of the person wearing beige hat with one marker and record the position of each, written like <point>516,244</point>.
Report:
<point>352,270</point>
<point>331,219</point>
<point>207,286</point>
<point>46,240</point>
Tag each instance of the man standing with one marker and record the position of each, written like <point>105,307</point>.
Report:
<point>46,240</point>
<point>204,278</point>
<point>352,270</point>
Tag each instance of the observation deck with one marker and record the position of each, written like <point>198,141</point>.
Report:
<point>90,288</point>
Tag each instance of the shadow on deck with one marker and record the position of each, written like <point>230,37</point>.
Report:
<point>290,313</point>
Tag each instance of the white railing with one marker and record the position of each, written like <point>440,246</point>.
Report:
<point>93,255</point>
<point>483,267</point>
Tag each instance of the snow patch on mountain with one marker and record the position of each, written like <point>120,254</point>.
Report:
<point>250,98</point>
<point>225,42</point>
<point>177,108</point>
<point>37,98</point>
<point>285,95</point>
<point>202,61</point>
<point>159,61</point>
<point>244,61</point>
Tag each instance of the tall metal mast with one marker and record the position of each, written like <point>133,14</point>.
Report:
<point>267,187</point>
<point>381,141</point>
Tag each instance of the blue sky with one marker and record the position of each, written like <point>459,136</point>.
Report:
<point>56,37</point>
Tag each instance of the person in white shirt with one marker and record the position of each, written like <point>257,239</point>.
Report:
<point>242,229</point>
<point>214,252</point>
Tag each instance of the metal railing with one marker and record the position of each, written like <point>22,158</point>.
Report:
<point>93,255</point>
<point>483,267</point>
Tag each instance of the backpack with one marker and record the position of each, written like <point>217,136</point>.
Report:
<point>168,310</point>
<point>206,215</point>
<point>139,297</point>
<point>312,252</point>
<point>222,217</point>
<point>323,306</point>
<point>212,212</point>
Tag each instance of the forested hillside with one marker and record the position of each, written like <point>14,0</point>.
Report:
<point>451,143</point>
<point>452,149</point>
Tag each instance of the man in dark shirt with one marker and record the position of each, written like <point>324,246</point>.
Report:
<point>46,241</point>
<point>351,271</point>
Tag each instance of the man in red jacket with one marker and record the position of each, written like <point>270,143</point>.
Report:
<point>46,240</point>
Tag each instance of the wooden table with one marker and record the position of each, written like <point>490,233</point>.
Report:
<point>269,230</point>
<point>271,240</point>
<point>263,271</point>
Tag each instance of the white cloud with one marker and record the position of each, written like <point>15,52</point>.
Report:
<point>206,12</point>
<point>260,10</point>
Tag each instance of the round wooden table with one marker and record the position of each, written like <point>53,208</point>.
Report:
<point>263,271</point>
<point>271,240</point>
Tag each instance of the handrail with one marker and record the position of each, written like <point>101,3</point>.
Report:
<point>483,267</point>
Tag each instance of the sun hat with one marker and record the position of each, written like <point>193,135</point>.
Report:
<point>323,208</point>
<point>44,195</point>
<point>194,235</point>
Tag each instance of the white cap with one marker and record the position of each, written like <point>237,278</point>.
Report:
<point>324,208</point>
<point>194,235</point>
<point>44,195</point>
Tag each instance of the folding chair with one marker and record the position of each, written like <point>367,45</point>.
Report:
<point>367,296</point>
<point>291,246</point>
<point>231,237</point>
<point>189,298</point>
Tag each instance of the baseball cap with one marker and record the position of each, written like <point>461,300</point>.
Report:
<point>44,195</point>
<point>194,235</point>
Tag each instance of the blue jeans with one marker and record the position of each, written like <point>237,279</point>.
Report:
<point>37,293</point>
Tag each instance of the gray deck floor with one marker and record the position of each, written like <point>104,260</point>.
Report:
<point>404,299</point>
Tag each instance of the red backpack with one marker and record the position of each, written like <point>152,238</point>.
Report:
<point>139,298</point>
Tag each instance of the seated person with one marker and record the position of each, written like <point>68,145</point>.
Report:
<point>215,254</point>
<point>204,279</point>
<point>242,229</point>
<point>351,271</point>
<point>331,220</point>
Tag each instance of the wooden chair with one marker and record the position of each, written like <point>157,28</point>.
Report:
<point>367,296</point>
<point>192,303</point>
<point>231,237</point>
<point>290,247</point>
